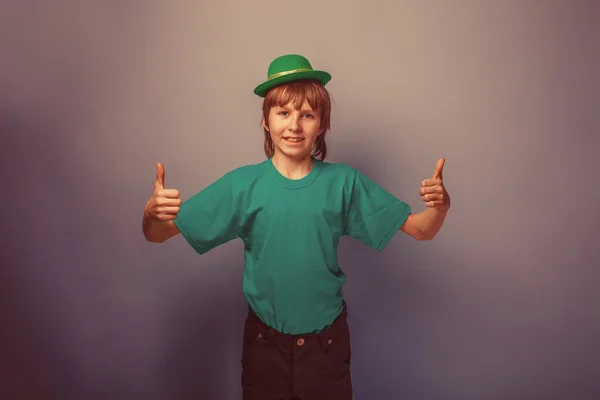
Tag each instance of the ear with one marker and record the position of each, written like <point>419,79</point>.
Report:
<point>262,122</point>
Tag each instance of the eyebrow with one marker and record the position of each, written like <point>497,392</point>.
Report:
<point>302,110</point>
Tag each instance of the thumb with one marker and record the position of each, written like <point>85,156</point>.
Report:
<point>437,174</point>
<point>159,184</point>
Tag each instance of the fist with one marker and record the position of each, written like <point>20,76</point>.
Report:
<point>164,203</point>
<point>433,191</point>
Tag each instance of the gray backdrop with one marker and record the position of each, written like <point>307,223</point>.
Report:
<point>501,305</point>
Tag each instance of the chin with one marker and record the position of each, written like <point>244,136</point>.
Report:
<point>295,153</point>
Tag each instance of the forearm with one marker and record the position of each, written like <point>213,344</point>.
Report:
<point>429,222</point>
<point>158,231</point>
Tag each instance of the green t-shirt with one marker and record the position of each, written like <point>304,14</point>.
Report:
<point>291,230</point>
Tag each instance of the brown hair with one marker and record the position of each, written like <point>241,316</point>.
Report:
<point>297,92</point>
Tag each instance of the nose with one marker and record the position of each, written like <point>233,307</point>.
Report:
<point>294,125</point>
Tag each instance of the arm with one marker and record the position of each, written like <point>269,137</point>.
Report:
<point>425,225</point>
<point>158,231</point>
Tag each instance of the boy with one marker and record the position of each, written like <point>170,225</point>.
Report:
<point>290,211</point>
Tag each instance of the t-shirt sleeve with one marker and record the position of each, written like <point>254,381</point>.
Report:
<point>374,215</point>
<point>209,218</point>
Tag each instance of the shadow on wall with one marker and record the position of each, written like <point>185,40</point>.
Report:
<point>77,322</point>
<point>23,345</point>
<point>35,355</point>
<point>203,334</point>
<point>381,293</point>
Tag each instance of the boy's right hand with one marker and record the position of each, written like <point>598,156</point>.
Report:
<point>164,203</point>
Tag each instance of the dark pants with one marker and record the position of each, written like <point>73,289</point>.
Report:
<point>278,366</point>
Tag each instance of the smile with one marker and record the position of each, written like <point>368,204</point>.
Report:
<point>293,139</point>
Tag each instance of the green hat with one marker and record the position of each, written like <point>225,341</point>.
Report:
<point>288,68</point>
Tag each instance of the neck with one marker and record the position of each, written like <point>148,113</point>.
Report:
<point>292,168</point>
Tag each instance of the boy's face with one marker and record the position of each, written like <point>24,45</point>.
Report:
<point>294,130</point>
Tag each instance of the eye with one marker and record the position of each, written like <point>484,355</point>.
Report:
<point>308,116</point>
<point>283,113</point>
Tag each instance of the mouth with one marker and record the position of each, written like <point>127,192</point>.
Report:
<point>293,139</point>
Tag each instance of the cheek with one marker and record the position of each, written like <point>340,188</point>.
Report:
<point>313,130</point>
<point>273,130</point>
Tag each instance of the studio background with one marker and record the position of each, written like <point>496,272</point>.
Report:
<point>503,304</point>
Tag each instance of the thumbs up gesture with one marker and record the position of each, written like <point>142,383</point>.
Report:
<point>164,203</point>
<point>432,190</point>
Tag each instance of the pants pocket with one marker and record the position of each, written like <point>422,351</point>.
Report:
<point>264,372</point>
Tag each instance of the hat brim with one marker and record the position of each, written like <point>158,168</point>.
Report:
<point>321,76</point>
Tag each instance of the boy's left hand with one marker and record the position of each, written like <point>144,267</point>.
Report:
<point>432,190</point>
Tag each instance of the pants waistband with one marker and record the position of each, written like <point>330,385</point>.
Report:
<point>338,327</point>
